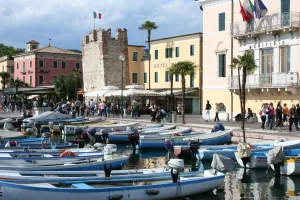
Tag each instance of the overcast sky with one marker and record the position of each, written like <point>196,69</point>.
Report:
<point>66,22</point>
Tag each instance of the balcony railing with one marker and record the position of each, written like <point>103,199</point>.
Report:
<point>273,80</point>
<point>269,23</point>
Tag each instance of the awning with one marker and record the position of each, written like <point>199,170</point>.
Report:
<point>176,91</point>
<point>134,92</point>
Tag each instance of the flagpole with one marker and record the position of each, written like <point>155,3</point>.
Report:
<point>94,23</point>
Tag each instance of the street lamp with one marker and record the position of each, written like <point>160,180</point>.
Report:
<point>122,59</point>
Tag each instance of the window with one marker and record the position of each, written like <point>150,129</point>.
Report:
<point>12,70</point>
<point>267,61</point>
<point>134,77</point>
<point>17,65</point>
<point>63,65</point>
<point>23,66</point>
<point>167,76</point>
<point>156,54</point>
<point>156,77</point>
<point>192,80</point>
<point>145,77</point>
<point>24,80</point>
<point>33,46</point>
<point>135,56</point>
<point>192,50</point>
<point>222,65</point>
<point>177,77</point>
<point>30,81</point>
<point>30,64</point>
<point>285,10</point>
<point>285,59</point>
<point>177,52</point>
<point>41,63</point>
<point>77,65</point>
<point>221,21</point>
<point>12,82</point>
<point>169,52</point>
<point>41,80</point>
<point>55,64</point>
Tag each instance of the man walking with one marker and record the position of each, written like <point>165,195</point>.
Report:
<point>77,107</point>
<point>293,118</point>
<point>207,111</point>
<point>278,117</point>
<point>92,107</point>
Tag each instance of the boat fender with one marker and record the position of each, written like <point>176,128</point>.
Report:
<point>67,153</point>
<point>116,197</point>
<point>174,175</point>
<point>152,192</point>
<point>107,171</point>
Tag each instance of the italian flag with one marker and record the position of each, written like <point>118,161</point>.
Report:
<point>97,16</point>
<point>247,10</point>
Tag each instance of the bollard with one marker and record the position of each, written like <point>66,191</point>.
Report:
<point>174,117</point>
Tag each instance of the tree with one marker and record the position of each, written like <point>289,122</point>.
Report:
<point>9,50</point>
<point>172,94</point>
<point>5,78</point>
<point>244,64</point>
<point>77,75</point>
<point>18,83</point>
<point>183,68</point>
<point>149,26</point>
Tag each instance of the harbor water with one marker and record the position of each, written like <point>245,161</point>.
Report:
<point>239,184</point>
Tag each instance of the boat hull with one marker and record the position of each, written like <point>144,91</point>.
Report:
<point>167,190</point>
<point>290,167</point>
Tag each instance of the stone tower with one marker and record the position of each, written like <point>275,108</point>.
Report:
<point>100,59</point>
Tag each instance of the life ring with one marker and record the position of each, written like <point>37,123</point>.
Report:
<point>67,153</point>
<point>176,134</point>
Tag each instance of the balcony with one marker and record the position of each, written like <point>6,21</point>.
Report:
<point>272,83</point>
<point>269,24</point>
<point>23,71</point>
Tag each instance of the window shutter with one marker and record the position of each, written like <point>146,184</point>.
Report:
<point>156,54</point>
<point>285,6</point>
<point>221,21</point>
<point>171,52</point>
<point>220,65</point>
<point>167,55</point>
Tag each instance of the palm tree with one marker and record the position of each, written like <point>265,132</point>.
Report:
<point>18,83</point>
<point>149,26</point>
<point>183,68</point>
<point>172,94</point>
<point>246,64</point>
<point>5,76</point>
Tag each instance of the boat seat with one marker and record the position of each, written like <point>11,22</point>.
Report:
<point>81,186</point>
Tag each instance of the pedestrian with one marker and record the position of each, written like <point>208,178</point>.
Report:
<point>207,111</point>
<point>102,109</point>
<point>134,109</point>
<point>217,108</point>
<point>249,114</point>
<point>92,106</point>
<point>153,112</point>
<point>108,107</point>
<point>271,112</point>
<point>218,127</point>
<point>285,111</point>
<point>82,108</point>
<point>179,108</point>
<point>77,107</point>
<point>278,116</point>
<point>293,118</point>
<point>298,114</point>
<point>263,115</point>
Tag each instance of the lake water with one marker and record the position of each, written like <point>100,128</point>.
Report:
<point>253,184</point>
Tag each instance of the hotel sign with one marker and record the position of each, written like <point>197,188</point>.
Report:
<point>163,65</point>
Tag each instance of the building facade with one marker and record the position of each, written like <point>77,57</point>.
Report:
<point>41,66</point>
<point>100,58</point>
<point>164,53</point>
<point>274,41</point>
<point>7,65</point>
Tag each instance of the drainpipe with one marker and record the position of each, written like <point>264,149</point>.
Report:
<point>231,58</point>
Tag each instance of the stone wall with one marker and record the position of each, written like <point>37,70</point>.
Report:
<point>100,59</point>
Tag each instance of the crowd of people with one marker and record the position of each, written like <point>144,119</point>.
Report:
<point>275,118</point>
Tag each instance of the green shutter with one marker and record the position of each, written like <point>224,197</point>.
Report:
<point>221,21</point>
<point>171,52</point>
<point>167,53</point>
<point>285,6</point>
<point>156,54</point>
<point>145,77</point>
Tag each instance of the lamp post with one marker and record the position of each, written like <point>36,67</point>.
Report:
<point>122,59</point>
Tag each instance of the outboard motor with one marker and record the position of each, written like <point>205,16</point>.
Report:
<point>194,146</point>
<point>133,137</point>
<point>177,164</point>
<point>244,153</point>
<point>107,171</point>
<point>222,163</point>
<point>276,157</point>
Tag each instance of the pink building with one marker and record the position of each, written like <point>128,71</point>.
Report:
<point>40,66</point>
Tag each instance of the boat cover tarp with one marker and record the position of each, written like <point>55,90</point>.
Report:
<point>243,150</point>
<point>49,115</point>
<point>222,163</point>
<point>276,155</point>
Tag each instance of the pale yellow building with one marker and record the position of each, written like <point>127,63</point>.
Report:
<point>164,53</point>
<point>7,65</point>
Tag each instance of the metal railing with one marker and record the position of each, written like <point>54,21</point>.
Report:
<point>267,80</point>
<point>272,22</point>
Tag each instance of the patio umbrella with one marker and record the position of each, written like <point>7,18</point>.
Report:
<point>105,90</point>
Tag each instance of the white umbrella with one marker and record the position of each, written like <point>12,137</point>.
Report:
<point>106,90</point>
<point>134,92</point>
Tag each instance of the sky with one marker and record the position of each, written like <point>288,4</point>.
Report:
<point>66,22</point>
